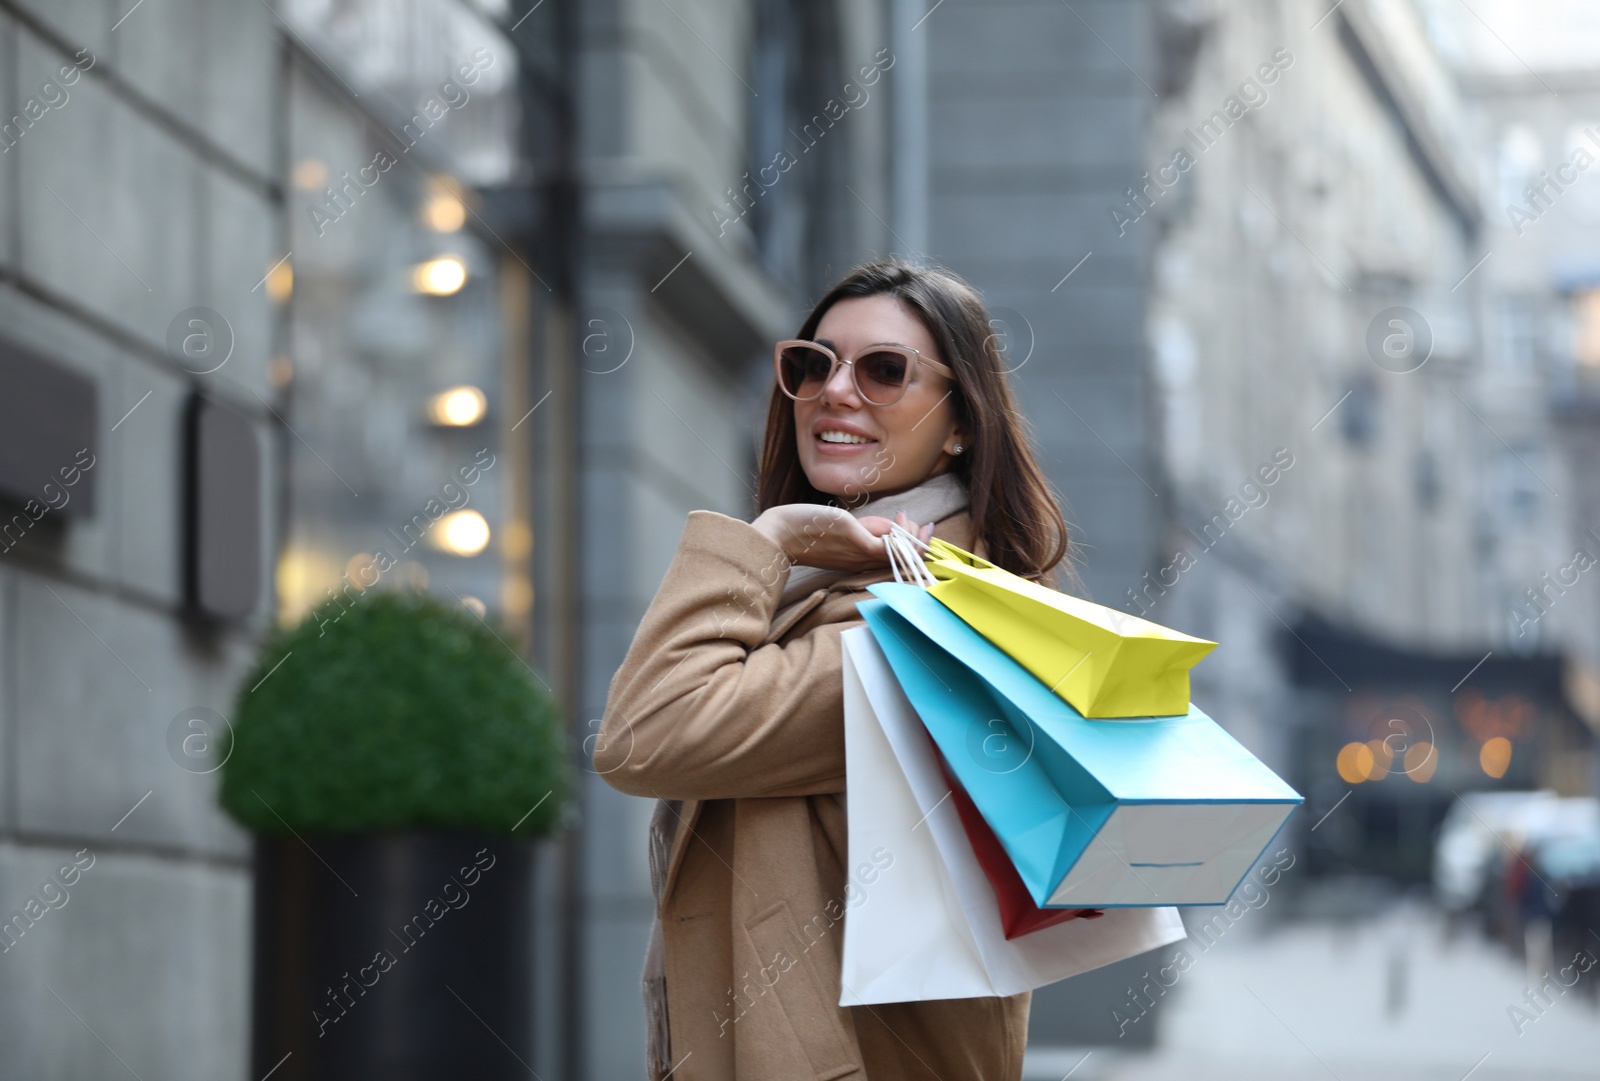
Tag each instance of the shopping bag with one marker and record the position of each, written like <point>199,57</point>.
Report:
<point>1167,810</point>
<point>1018,914</point>
<point>927,925</point>
<point>1105,662</point>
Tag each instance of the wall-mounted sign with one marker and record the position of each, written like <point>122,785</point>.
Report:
<point>47,435</point>
<point>222,565</point>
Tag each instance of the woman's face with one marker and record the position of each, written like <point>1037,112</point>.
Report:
<point>905,443</point>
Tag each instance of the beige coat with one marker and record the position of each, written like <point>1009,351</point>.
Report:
<point>735,707</point>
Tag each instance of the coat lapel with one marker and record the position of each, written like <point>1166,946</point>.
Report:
<point>688,814</point>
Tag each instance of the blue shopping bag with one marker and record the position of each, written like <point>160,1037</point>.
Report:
<point>1093,813</point>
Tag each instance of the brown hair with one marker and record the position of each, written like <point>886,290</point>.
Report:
<point>1014,512</point>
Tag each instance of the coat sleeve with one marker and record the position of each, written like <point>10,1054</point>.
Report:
<point>700,709</point>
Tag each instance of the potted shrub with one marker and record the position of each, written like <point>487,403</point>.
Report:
<point>395,760</point>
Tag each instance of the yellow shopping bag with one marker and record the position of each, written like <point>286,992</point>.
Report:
<point>1105,663</point>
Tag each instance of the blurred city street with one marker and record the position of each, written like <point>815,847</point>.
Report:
<point>1381,994</point>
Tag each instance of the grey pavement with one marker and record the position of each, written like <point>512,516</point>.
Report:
<point>1391,998</point>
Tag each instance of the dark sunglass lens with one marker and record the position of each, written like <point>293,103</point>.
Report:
<point>803,369</point>
<point>883,375</point>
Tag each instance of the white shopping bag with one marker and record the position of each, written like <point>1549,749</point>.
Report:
<point>928,925</point>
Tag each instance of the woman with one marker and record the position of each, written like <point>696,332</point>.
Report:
<point>892,405</point>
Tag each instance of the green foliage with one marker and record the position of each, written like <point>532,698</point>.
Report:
<point>399,711</point>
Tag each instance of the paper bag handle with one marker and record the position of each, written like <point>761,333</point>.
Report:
<point>901,545</point>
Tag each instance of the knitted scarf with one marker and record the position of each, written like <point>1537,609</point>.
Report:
<point>935,498</point>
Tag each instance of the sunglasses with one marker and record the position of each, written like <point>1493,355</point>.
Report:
<point>881,372</point>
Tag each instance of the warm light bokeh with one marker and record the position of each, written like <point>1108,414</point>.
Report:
<point>458,407</point>
<point>462,533</point>
<point>1421,759</point>
<point>443,211</point>
<point>1354,762</point>
<point>1495,756</point>
<point>441,277</point>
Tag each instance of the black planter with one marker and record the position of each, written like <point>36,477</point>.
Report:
<point>403,956</point>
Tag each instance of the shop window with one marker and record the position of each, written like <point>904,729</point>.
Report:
<point>392,375</point>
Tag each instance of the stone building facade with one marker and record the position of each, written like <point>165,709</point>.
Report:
<point>139,180</point>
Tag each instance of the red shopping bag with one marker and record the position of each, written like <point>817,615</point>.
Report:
<point>1018,914</point>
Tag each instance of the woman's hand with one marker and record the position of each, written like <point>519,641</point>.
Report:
<point>831,537</point>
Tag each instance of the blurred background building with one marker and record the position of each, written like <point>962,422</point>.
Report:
<point>1302,299</point>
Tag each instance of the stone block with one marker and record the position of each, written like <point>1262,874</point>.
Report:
<point>100,682</point>
<point>241,85</point>
<point>108,206</point>
<point>1027,130</point>
<point>682,405</point>
<point>144,967</point>
<point>661,517</point>
<point>1017,40</point>
<point>608,394</point>
<point>83,23</point>
<point>1051,225</point>
<point>242,242</point>
<point>145,459</point>
<point>1075,421</point>
<point>608,551</point>
<point>1113,521</point>
<point>153,49</point>
<point>212,66</point>
<point>689,93</point>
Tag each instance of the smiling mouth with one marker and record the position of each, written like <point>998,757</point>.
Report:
<point>843,439</point>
